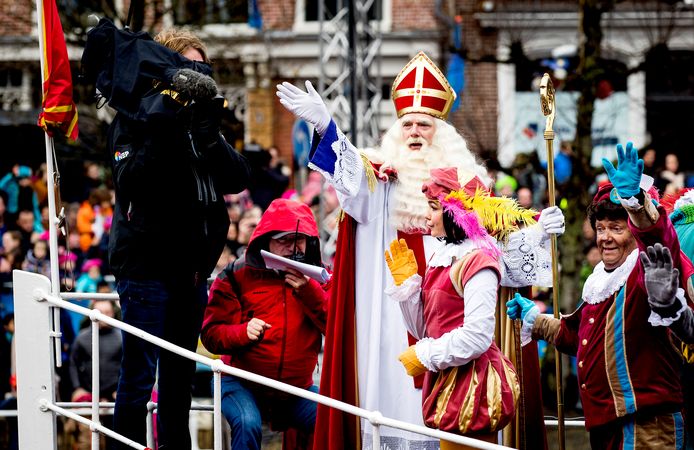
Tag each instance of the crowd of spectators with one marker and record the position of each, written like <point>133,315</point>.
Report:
<point>83,240</point>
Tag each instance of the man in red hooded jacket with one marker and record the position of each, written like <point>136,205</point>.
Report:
<point>269,323</point>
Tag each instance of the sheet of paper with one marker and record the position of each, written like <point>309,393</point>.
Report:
<point>273,261</point>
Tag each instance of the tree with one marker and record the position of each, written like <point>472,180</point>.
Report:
<point>588,73</point>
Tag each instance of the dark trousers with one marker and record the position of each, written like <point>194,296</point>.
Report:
<point>173,312</point>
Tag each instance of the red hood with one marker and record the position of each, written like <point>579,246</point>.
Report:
<point>284,215</point>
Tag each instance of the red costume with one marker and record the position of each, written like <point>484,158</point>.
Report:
<point>628,367</point>
<point>461,392</point>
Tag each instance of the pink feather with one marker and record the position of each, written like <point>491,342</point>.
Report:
<point>470,223</point>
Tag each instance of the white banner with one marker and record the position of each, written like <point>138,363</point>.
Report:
<point>610,124</point>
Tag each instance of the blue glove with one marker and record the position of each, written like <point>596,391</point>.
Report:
<point>626,178</point>
<point>518,307</point>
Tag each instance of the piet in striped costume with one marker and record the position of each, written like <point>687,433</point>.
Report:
<point>628,368</point>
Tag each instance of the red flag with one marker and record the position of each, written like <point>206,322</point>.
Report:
<point>58,109</point>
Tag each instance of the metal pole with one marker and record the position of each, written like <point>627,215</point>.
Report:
<point>321,46</point>
<point>352,37</point>
<point>303,176</point>
<point>52,216</point>
<point>548,105</point>
<point>217,402</point>
<point>150,424</point>
<point>96,388</point>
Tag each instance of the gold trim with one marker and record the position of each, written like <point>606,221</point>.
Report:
<point>610,361</point>
<point>468,407</point>
<point>494,402</point>
<point>58,109</point>
<point>445,393</point>
<point>420,62</point>
<point>420,109</point>
<point>412,92</point>
<point>371,179</point>
<point>456,274</point>
<point>357,419</point>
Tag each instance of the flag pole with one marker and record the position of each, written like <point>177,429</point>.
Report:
<point>53,217</point>
<point>547,103</point>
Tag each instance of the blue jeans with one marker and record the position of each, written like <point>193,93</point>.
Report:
<point>174,312</point>
<point>244,410</point>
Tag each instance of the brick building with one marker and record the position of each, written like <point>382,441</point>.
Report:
<point>250,61</point>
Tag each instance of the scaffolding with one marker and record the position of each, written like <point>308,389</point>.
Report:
<point>352,85</point>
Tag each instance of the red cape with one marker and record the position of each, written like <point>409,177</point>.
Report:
<point>336,430</point>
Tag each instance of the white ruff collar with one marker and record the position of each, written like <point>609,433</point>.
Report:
<point>445,256</point>
<point>601,284</point>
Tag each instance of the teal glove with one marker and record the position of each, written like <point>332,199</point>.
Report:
<point>626,178</point>
<point>518,307</point>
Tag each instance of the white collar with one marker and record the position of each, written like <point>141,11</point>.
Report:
<point>601,284</point>
<point>448,254</point>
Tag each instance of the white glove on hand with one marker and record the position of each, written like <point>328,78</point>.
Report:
<point>552,220</point>
<point>306,105</point>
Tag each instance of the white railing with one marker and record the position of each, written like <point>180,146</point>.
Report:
<point>35,374</point>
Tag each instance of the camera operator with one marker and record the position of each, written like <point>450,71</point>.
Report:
<point>170,222</point>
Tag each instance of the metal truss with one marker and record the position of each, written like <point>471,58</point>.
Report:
<point>350,68</point>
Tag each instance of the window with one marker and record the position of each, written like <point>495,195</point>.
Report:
<point>201,12</point>
<point>12,93</point>
<point>307,13</point>
<point>331,7</point>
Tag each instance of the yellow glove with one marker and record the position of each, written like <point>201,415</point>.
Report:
<point>409,359</point>
<point>401,261</point>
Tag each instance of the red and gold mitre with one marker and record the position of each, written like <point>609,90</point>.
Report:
<point>421,87</point>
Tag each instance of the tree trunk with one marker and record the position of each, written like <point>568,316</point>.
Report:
<point>588,72</point>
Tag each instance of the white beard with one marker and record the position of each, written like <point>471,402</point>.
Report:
<point>409,209</point>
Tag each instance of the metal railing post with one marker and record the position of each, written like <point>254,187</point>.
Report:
<point>376,429</point>
<point>150,424</point>
<point>96,388</point>
<point>35,375</point>
<point>217,402</point>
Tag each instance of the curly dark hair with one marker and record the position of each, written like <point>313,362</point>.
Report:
<point>605,209</point>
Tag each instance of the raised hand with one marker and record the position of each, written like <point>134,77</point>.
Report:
<point>400,261</point>
<point>552,220</point>
<point>518,307</point>
<point>306,105</point>
<point>627,176</point>
<point>661,279</point>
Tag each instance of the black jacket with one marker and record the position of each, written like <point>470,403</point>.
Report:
<point>171,166</point>
<point>170,220</point>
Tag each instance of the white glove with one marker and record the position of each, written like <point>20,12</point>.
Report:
<point>552,220</point>
<point>306,105</point>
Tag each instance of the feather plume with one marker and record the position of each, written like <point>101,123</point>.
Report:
<point>470,223</point>
<point>500,215</point>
